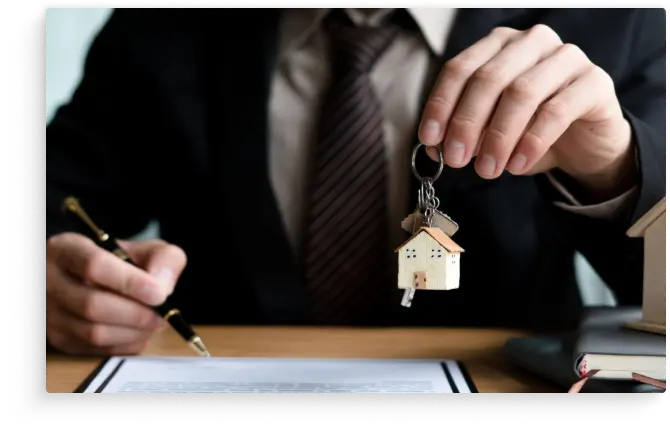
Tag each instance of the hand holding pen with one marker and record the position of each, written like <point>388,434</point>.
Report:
<point>97,303</point>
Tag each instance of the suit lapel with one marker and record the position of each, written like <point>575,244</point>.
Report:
<point>239,86</point>
<point>470,26</point>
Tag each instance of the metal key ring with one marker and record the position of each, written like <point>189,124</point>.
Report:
<point>439,170</point>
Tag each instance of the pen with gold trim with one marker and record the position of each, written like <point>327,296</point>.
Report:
<point>171,314</point>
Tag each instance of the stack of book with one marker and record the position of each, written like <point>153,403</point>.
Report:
<point>620,353</point>
<point>616,349</point>
<point>603,355</point>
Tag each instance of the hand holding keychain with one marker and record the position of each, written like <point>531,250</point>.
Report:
<point>429,259</point>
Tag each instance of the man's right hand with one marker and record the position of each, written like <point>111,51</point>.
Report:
<point>97,303</point>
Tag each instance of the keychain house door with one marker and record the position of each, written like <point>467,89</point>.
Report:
<point>420,280</point>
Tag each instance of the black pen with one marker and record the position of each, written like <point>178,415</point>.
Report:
<point>171,314</point>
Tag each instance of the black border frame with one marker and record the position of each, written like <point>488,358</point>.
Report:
<point>30,405</point>
<point>89,379</point>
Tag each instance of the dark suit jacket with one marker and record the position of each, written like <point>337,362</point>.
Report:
<point>170,123</point>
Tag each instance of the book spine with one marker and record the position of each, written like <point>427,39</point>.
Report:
<point>582,367</point>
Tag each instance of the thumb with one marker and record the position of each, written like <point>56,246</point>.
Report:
<point>546,163</point>
<point>161,259</point>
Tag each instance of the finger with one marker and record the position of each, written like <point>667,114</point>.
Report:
<point>53,313</point>
<point>451,82</point>
<point>547,162</point>
<point>60,335</point>
<point>77,347</point>
<point>555,116</point>
<point>98,335</point>
<point>98,305</point>
<point>162,260</point>
<point>479,100</point>
<point>520,100</point>
<point>81,257</point>
<point>105,335</point>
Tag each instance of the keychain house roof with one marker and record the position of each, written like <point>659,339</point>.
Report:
<point>439,236</point>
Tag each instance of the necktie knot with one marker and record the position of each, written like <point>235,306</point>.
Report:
<point>354,47</point>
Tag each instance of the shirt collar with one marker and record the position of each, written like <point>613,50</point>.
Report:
<point>434,24</point>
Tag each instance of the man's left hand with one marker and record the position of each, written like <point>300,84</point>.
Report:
<point>525,102</point>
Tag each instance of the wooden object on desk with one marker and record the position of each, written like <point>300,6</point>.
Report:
<point>478,349</point>
<point>651,227</point>
<point>434,256</point>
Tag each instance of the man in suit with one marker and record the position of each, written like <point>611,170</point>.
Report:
<point>274,148</point>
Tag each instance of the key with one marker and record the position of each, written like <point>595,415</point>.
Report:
<point>415,220</point>
<point>429,258</point>
<point>407,297</point>
<point>412,222</point>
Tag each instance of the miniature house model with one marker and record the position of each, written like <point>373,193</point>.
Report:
<point>429,260</point>
<point>651,227</point>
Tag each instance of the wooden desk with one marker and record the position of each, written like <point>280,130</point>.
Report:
<point>478,349</point>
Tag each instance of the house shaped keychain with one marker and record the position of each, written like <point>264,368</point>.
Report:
<point>429,259</point>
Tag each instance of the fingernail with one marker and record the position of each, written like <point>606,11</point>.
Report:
<point>486,165</point>
<point>454,152</point>
<point>159,323</point>
<point>166,277</point>
<point>151,294</point>
<point>517,163</point>
<point>430,132</point>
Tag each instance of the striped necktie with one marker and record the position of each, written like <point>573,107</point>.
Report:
<point>346,267</point>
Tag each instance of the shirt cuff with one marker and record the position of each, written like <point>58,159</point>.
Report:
<point>608,210</point>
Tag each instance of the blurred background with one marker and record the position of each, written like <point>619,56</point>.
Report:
<point>69,33</point>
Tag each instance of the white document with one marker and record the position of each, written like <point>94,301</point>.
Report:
<point>272,375</point>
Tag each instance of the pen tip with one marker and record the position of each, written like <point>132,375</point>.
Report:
<point>199,346</point>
